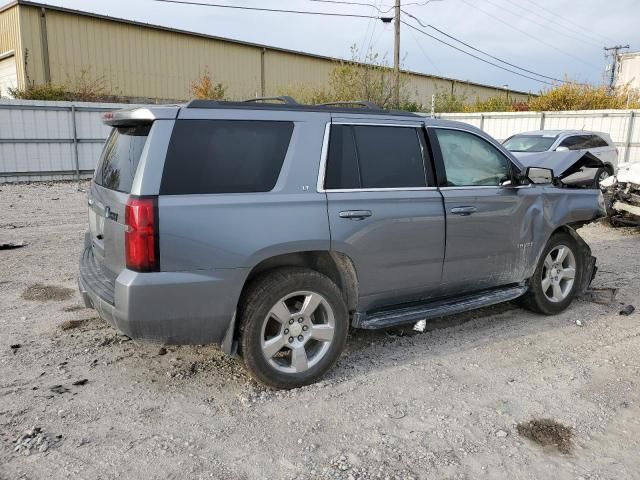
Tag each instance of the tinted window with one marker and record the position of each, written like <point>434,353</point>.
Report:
<point>576,142</point>
<point>120,157</point>
<point>374,157</point>
<point>596,141</point>
<point>342,162</point>
<point>221,156</point>
<point>529,143</point>
<point>470,160</point>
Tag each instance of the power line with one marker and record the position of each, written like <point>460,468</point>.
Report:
<point>424,52</point>
<point>379,8</point>
<point>366,32</point>
<point>273,10</point>
<point>482,51</point>
<point>556,22</point>
<point>362,4</point>
<point>567,20</point>
<point>550,45</point>
<point>475,56</point>
<point>546,27</point>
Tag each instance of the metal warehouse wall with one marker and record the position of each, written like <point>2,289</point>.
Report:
<point>622,125</point>
<point>10,38</point>
<point>145,62</point>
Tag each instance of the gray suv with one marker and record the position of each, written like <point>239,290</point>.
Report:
<point>271,229</point>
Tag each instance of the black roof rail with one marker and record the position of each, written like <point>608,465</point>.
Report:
<point>286,99</point>
<point>360,103</point>
<point>338,107</point>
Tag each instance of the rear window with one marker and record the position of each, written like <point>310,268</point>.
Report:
<point>120,157</point>
<point>225,156</point>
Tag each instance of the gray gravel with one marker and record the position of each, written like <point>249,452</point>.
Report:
<point>443,404</point>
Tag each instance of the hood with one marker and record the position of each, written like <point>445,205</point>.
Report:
<point>629,173</point>
<point>563,164</point>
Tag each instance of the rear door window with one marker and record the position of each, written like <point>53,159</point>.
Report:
<point>367,157</point>
<point>225,156</point>
<point>120,157</point>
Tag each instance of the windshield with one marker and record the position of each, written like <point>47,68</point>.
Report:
<point>120,157</point>
<point>529,143</point>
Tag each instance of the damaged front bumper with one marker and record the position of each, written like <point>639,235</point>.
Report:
<point>623,196</point>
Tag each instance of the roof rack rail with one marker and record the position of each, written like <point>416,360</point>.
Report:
<point>360,103</point>
<point>286,99</point>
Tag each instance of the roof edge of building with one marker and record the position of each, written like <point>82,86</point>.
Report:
<point>30,3</point>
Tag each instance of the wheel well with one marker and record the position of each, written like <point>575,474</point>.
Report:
<point>609,168</point>
<point>337,266</point>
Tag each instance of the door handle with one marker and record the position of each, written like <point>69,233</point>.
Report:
<point>355,214</point>
<point>463,210</point>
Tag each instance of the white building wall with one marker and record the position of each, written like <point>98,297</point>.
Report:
<point>629,70</point>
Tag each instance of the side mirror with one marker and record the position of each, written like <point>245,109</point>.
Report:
<point>562,149</point>
<point>538,175</point>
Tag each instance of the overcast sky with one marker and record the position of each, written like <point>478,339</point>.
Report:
<point>557,38</point>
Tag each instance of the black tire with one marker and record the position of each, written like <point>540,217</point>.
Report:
<point>258,300</point>
<point>599,173</point>
<point>535,299</point>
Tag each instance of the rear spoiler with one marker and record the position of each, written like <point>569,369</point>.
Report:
<point>140,115</point>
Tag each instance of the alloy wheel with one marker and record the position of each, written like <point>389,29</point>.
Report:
<point>297,332</point>
<point>558,274</point>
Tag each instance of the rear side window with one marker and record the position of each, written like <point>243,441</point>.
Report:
<point>120,157</point>
<point>576,142</point>
<point>224,156</point>
<point>374,157</point>
<point>595,141</point>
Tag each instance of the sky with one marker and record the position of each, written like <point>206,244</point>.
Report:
<point>557,38</point>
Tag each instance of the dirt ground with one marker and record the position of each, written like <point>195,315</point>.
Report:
<point>497,393</point>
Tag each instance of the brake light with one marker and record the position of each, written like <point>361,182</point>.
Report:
<point>141,234</point>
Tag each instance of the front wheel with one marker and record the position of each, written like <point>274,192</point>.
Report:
<point>556,279</point>
<point>601,175</point>
<point>293,327</point>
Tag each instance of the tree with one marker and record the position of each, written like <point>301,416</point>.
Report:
<point>367,78</point>
<point>206,89</point>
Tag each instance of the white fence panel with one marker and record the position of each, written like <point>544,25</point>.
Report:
<point>37,139</point>
<point>622,125</point>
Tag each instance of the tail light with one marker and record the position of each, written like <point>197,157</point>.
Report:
<point>142,250</point>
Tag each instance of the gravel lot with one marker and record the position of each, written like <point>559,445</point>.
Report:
<point>451,403</point>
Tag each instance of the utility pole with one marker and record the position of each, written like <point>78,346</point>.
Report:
<point>396,56</point>
<point>614,63</point>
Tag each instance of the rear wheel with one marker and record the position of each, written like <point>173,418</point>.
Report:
<point>556,279</point>
<point>293,327</point>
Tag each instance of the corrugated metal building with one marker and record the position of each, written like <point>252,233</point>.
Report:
<point>41,43</point>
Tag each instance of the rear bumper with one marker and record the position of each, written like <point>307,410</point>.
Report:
<point>164,307</point>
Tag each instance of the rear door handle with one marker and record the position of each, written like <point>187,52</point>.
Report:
<point>463,210</point>
<point>355,214</point>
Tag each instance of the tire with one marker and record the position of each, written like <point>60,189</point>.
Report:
<point>319,326</point>
<point>601,174</point>
<point>549,301</point>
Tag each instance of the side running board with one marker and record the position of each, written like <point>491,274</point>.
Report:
<point>439,308</point>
